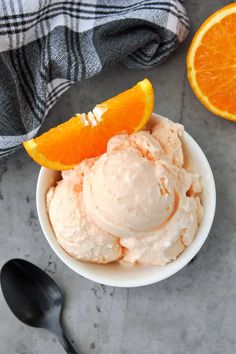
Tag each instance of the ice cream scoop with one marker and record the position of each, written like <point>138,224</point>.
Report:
<point>127,194</point>
<point>75,231</point>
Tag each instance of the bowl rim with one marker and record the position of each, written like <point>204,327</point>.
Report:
<point>168,269</point>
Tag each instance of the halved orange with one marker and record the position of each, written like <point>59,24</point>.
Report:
<point>86,135</point>
<point>211,63</point>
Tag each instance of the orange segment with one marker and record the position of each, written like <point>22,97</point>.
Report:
<point>211,63</point>
<point>86,135</point>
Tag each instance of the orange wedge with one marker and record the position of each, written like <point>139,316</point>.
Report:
<point>211,63</point>
<point>86,135</point>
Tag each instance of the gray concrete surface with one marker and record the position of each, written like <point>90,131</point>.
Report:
<point>191,312</point>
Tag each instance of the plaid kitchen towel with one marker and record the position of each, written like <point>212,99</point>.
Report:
<point>47,45</point>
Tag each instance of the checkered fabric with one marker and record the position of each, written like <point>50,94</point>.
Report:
<point>47,45</point>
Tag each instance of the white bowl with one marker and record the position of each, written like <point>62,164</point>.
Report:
<point>114,274</point>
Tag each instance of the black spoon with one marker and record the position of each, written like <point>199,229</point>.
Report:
<point>34,298</point>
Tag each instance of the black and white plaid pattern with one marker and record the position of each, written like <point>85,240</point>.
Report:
<point>47,45</point>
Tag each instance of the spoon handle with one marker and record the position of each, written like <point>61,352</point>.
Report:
<point>67,345</point>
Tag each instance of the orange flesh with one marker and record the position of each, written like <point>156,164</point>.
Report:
<point>71,142</point>
<point>215,63</point>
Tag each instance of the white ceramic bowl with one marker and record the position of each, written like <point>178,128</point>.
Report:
<point>114,274</point>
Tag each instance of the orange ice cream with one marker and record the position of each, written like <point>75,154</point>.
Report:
<point>137,195</point>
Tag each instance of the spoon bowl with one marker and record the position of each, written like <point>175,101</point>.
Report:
<point>34,297</point>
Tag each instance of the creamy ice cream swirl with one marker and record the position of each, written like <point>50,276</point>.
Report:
<point>128,195</point>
